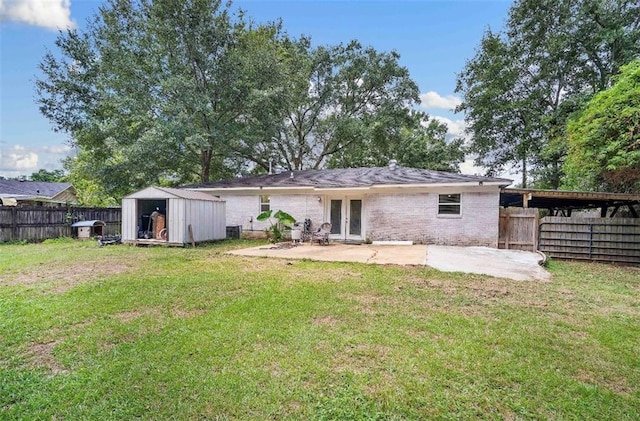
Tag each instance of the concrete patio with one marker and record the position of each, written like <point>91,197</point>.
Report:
<point>510,264</point>
<point>335,252</point>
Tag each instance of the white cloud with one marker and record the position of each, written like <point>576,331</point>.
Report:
<point>57,149</point>
<point>18,158</point>
<point>50,14</point>
<point>455,128</point>
<point>468,167</point>
<point>433,99</point>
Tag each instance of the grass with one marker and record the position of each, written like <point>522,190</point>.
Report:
<point>154,333</point>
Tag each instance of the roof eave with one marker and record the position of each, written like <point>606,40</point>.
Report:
<point>432,185</point>
<point>253,189</point>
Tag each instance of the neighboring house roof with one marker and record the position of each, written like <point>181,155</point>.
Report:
<point>36,190</point>
<point>350,178</point>
<point>154,192</point>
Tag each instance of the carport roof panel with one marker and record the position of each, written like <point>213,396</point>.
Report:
<point>558,199</point>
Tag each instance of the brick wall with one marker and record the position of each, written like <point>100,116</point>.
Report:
<point>410,216</point>
<point>415,217</point>
<point>476,226</point>
<point>243,209</point>
<point>300,206</point>
<point>396,217</point>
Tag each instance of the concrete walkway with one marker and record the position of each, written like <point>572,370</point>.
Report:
<point>511,264</point>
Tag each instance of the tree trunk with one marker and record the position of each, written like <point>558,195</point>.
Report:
<point>205,162</point>
<point>524,173</point>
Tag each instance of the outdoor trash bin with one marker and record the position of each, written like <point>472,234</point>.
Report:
<point>296,234</point>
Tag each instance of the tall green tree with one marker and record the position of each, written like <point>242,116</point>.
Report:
<point>524,82</point>
<point>334,98</point>
<point>157,90</point>
<point>48,176</point>
<point>604,139</point>
<point>419,142</point>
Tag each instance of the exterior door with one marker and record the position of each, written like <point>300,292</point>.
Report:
<point>345,215</point>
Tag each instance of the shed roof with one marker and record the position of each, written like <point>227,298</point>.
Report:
<point>155,192</point>
<point>16,188</point>
<point>350,178</point>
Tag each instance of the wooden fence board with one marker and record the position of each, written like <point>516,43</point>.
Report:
<point>597,239</point>
<point>37,223</point>
<point>518,229</point>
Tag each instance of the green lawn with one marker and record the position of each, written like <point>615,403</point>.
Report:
<point>154,333</point>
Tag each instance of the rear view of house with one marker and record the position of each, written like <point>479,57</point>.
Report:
<point>376,204</point>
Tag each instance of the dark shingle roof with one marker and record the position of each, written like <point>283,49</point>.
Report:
<point>31,188</point>
<point>349,177</point>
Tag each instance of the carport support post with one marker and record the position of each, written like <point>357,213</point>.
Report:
<point>603,211</point>
<point>615,210</point>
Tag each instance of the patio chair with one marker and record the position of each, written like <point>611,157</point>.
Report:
<point>322,235</point>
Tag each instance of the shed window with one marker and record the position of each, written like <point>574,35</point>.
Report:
<point>449,204</point>
<point>264,204</point>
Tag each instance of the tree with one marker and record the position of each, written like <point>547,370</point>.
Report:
<point>173,92</point>
<point>420,142</point>
<point>604,139</point>
<point>495,105</point>
<point>48,176</point>
<point>333,98</point>
<point>156,91</point>
<point>515,90</point>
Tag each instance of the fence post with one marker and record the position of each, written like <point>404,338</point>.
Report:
<point>590,241</point>
<point>14,223</point>
<point>507,235</point>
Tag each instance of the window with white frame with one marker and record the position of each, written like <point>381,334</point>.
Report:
<point>265,204</point>
<point>449,204</point>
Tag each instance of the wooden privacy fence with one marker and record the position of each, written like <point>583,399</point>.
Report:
<point>518,229</point>
<point>40,223</point>
<point>599,239</point>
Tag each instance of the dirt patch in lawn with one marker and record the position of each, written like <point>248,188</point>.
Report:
<point>323,321</point>
<point>63,276</point>
<point>361,358</point>
<point>187,314</point>
<point>129,316</point>
<point>41,355</point>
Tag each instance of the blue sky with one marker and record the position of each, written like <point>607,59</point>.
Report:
<point>434,39</point>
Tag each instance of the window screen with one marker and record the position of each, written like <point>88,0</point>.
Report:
<point>449,204</point>
<point>264,203</point>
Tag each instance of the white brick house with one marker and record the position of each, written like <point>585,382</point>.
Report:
<point>378,204</point>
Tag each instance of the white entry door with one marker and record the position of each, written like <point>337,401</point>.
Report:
<point>345,215</point>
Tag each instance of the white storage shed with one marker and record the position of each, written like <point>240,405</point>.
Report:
<point>168,216</point>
